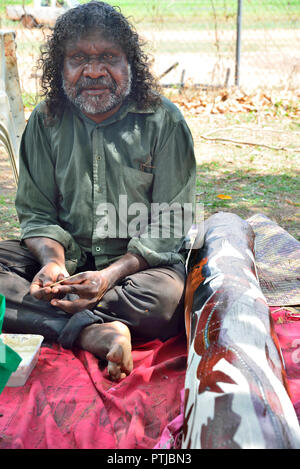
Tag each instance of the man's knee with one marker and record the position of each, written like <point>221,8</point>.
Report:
<point>18,259</point>
<point>161,292</point>
<point>163,287</point>
<point>150,302</point>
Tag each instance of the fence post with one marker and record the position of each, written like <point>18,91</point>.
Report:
<point>238,42</point>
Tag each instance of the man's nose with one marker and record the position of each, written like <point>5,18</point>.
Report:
<point>94,69</point>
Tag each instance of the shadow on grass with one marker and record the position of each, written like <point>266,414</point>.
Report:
<point>275,195</point>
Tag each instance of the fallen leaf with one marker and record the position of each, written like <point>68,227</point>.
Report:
<point>223,196</point>
<point>292,203</point>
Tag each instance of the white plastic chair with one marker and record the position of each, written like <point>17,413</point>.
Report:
<point>12,117</point>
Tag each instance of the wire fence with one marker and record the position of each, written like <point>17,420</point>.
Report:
<point>202,38</point>
<point>196,42</point>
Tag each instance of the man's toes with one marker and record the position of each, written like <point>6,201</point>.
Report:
<point>121,357</point>
<point>115,354</point>
<point>128,365</point>
<point>114,371</point>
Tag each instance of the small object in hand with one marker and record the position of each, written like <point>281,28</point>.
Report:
<point>62,280</point>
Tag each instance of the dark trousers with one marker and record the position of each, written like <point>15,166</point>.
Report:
<point>149,302</point>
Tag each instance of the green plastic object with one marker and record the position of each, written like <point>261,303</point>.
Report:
<point>9,359</point>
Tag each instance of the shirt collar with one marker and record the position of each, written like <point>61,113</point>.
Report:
<point>126,108</point>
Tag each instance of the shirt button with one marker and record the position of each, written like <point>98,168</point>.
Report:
<point>99,189</point>
<point>98,249</point>
<point>98,157</point>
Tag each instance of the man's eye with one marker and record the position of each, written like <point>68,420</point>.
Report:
<point>109,57</point>
<point>79,58</point>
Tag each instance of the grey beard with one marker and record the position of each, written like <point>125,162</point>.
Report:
<point>97,104</point>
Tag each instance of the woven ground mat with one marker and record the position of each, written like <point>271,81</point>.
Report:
<point>277,256</point>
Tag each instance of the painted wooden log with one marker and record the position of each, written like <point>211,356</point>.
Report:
<point>236,393</point>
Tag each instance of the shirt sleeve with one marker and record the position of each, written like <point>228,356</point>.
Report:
<point>162,241</point>
<point>37,194</point>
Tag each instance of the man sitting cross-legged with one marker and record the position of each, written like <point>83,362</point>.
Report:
<point>101,148</point>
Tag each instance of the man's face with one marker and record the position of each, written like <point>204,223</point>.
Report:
<point>96,75</point>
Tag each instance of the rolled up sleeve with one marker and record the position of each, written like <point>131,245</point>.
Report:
<point>37,194</point>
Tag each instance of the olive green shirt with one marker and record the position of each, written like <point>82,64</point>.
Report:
<point>72,168</point>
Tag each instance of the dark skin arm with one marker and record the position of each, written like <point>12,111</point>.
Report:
<point>51,256</point>
<point>90,286</point>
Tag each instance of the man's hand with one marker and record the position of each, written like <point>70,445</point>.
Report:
<point>51,256</point>
<point>49,273</point>
<point>90,286</point>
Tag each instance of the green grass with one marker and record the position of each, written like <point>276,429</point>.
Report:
<point>202,14</point>
<point>275,195</point>
<point>258,180</point>
<point>30,100</point>
<point>9,226</point>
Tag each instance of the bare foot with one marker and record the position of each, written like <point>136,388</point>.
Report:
<point>110,341</point>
